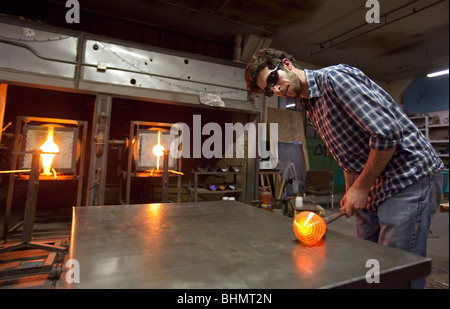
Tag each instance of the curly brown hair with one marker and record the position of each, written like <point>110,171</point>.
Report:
<point>267,57</point>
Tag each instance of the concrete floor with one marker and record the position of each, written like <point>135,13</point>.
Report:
<point>58,229</point>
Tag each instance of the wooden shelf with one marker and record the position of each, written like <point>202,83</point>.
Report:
<point>437,134</point>
<point>199,189</point>
<point>206,191</point>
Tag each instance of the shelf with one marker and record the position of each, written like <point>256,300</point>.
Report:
<point>199,189</point>
<point>437,135</point>
<point>417,117</point>
<point>215,173</point>
<point>438,126</point>
<point>206,191</point>
<point>439,141</point>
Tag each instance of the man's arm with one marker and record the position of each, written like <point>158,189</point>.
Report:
<point>349,180</point>
<point>357,193</point>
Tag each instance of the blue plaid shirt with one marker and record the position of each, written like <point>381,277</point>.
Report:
<point>354,115</point>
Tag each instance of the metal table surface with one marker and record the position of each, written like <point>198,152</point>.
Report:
<point>224,244</point>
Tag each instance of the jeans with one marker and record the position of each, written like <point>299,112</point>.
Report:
<point>404,220</point>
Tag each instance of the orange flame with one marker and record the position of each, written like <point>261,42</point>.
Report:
<point>52,148</point>
<point>158,150</point>
<point>309,227</point>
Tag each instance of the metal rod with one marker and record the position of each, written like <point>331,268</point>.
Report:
<point>30,205</point>
<point>15,171</point>
<point>165,178</point>
<point>333,217</point>
<point>413,11</point>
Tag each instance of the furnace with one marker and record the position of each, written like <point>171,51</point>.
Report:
<point>152,152</point>
<point>67,159</point>
<point>66,139</point>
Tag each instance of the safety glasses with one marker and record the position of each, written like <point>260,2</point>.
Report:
<point>272,80</point>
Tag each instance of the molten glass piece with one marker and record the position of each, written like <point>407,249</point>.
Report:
<point>48,146</point>
<point>309,227</point>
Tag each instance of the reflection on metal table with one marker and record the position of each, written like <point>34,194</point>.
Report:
<point>223,244</point>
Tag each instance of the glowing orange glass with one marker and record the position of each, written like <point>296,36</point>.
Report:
<point>309,227</point>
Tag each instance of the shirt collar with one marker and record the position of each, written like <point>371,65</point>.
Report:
<point>313,88</point>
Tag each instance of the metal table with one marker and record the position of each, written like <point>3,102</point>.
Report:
<point>224,244</point>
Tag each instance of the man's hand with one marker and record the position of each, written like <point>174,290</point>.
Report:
<point>358,187</point>
<point>353,201</point>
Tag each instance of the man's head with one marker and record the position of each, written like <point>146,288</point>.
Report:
<point>273,72</point>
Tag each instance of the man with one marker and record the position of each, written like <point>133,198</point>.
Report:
<point>392,173</point>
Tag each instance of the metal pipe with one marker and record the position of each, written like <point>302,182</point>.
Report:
<point>165,178</point>
<point>30,205</point>
<point>333,217</point>
<point>373,28</point>
<point>15,171</point>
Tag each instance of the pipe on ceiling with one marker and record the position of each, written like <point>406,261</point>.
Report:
<point>331,44</point>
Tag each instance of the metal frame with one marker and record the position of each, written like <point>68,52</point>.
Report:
<point>96,187</point>
<point>35,131</point>
<point>56,250</point>
<point>21,120</point>
<point>131,172</point>
<point>76,66</point>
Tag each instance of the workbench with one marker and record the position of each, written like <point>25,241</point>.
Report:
<point>221,245</point>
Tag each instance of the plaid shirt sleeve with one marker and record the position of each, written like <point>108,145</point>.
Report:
<point>368,105</point>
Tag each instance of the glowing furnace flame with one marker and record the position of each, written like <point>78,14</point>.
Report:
<point>48,146</point>
<point>309,227</point>
<point>158,150</point>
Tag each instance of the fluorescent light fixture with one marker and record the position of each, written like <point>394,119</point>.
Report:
<point>438,73</point>
<point>290,105</point>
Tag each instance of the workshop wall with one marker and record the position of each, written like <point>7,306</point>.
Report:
<point>427,95</point>
<point>321,159</point>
